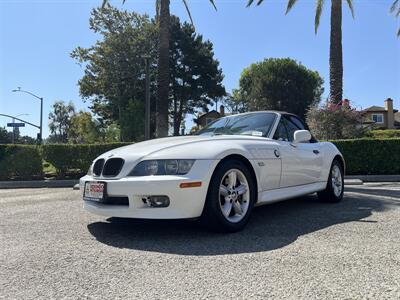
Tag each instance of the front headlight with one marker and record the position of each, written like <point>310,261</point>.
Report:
<point>162,167</point>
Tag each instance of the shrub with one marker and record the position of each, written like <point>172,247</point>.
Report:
<point>21,162</point>
<point>66,157</point>
<point>384,134</point>
<point>332,121</point>
<point>370,156</point>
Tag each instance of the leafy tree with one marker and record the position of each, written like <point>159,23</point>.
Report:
<point>60,120</point>
<point>83,129</point>
<point>280,84</point>
<point>333,121</point>
<point>111,133</point>
<point>27,140</point>
<point>163,20</point>
<point>395,9</point>
<point>235,102</point>
<point>335,53</point>
<point>194,82</point>
<point>196,78</point>
<point>5,136</point>
<point>114,79</point>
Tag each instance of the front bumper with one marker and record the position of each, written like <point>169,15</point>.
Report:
<point>184,202</point>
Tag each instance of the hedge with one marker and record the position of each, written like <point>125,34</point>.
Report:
<point>384,134</point>
<point>20,162</point>
<point>370,156</point>
<point>65,157</point>
<point>24,162</point>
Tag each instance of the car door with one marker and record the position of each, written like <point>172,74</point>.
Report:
<point>301,163</point>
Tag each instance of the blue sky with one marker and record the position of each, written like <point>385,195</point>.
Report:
<point>36,38</point>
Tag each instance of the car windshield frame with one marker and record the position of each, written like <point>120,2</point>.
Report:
<point>227,126</point>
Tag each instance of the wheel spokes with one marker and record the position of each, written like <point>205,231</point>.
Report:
<point>227,208</point>
<point>234,195</point>
<point>237,208</point>
<point>232,179</point>
<point>241,189</point>
<point>223,190</point>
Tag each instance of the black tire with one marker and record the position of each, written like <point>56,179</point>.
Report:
<point>212,216</point>
<point>329,195</point>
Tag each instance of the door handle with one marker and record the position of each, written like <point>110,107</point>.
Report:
<point>276,152</point>
<point>316,152</point>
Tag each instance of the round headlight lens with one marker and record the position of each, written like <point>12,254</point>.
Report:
<point>162,167</point>
<point>185,165</point>
<point>151,167</point>
<point>171,167</point>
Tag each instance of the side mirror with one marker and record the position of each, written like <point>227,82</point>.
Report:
<point>301,136</point>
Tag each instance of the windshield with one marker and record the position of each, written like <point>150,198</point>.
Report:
<point>256,124</point>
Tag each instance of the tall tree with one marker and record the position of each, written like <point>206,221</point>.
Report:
<point>163,19</point>
<point>280,84</point>
<point>114,78</point>
<point>395,9</point>
<point>335,52</point>
<point>60,120</point>
<point>196,79</point>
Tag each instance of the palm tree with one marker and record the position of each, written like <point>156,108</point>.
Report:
<point>335,52</point>
<point>395,8</point>
<point>163,17</point>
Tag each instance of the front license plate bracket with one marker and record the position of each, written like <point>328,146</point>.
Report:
<point>95,191</point>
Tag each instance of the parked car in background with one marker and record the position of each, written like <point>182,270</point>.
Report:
<point>218,175</point>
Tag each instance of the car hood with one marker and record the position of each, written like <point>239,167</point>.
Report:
<point>181,145</point>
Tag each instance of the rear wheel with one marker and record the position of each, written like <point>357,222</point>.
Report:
<point>231,197</point>
<point>335,185</point>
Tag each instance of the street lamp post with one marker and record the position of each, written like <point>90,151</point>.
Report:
<point>41,111</point>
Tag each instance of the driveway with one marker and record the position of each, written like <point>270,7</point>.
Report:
<point>298,249</point>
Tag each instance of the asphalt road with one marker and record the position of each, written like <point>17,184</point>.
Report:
<point>298,249</point>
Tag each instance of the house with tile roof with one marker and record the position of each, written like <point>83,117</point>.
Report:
<point>382,117</point>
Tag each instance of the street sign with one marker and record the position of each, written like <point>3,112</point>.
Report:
<point>15,124</point>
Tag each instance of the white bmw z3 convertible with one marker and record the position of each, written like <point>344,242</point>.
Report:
<point>218,175</point>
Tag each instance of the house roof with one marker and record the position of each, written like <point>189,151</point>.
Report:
<point>375,108</point>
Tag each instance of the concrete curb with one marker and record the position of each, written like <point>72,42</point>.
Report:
<point>38,184</point>
<point>375,178</point>
<point>353,182</point>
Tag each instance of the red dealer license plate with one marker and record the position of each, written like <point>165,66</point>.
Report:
<point>94,191</point>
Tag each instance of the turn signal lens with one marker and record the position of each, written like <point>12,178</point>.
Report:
<point>190,184</point>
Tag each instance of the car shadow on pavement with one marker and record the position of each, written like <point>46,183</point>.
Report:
<point>270,227</point>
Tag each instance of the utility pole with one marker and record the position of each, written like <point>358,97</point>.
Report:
<point>147,106</point>
<point>39,137</point>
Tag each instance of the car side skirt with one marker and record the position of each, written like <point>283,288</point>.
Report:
<point>289,192</point>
